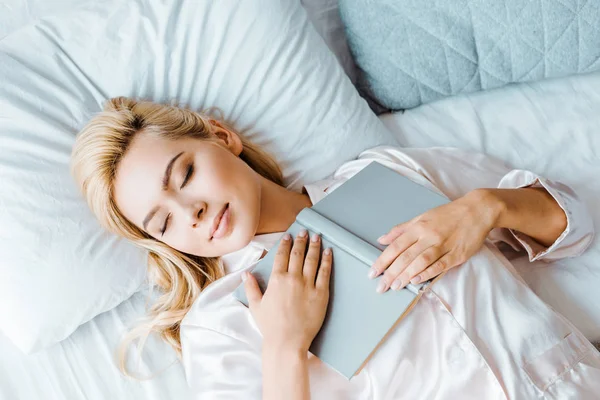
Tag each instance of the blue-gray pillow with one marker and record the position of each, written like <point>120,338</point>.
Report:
<point>416,51</point>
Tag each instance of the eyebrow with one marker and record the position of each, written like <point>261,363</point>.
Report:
<point>165,185</point>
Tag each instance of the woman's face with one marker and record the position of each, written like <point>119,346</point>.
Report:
<point>194,195</point>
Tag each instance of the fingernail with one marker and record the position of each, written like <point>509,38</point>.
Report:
<point>327,251</point>
<point>396,284</point>
<point>381,286</point>
<point>314,238</point>
<point>287,237</point>
<point>303,233</point>
<point>244,276</point>
<point>372,273</point>
<point>415,280</point>
<point>380,238</point>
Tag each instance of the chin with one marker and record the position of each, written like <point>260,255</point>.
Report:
<point>241,235</point>
<point>244,235</point>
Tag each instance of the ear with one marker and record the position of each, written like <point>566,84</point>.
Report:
<point>230,139</point>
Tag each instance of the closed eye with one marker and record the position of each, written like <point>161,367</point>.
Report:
<point>165,226</point>
<point>188,175</point>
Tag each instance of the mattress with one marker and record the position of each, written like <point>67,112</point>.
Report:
<point>83,365</point>
<point>551,128</point>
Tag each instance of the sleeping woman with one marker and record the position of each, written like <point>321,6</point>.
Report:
<point>207,205</point>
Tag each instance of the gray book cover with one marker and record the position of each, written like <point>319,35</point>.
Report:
<point>350,220</point>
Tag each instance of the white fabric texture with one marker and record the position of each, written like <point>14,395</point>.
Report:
<point>83,366</point>
<point>15,14</point>
<point>260,62</point>
<point>552,128</point>
<point>479,332</point>
<point>325,16</point>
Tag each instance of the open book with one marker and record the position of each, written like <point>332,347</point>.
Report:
<point>350,220</point>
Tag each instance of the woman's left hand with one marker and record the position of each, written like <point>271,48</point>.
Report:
<point>435,241</point>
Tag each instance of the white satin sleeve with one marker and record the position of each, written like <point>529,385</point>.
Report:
<point>219,366</point>
<point>454,172</point>
<point>576,237</point>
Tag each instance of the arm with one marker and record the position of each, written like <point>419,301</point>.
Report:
<point>290,314</point>
<point>531,211</point>
<point>545,218</point>
<point>456,172</point>
<point>285,373</point>
<point>221,347</point>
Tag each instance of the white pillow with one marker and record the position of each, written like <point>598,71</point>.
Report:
<point>325,16</point>
<point>260,61</point>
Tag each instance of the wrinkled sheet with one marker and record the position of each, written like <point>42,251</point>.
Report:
<point>551,128</point>
<point>83,366</point>
<point>15,14</point>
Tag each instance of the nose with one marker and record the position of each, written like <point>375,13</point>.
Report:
<point>195,214</point>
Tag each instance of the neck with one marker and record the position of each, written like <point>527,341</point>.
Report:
<point>279,207</point>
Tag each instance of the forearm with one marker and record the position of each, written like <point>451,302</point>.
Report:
<point>532,211</point>
<point>285,373</point>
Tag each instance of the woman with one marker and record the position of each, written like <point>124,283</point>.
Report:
<point>207,205</point>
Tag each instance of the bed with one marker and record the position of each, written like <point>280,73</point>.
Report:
<point>549,127</point>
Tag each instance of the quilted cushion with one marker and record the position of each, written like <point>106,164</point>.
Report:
<point>416,51</point>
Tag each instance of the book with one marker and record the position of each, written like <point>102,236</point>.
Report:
<point>350,220</point>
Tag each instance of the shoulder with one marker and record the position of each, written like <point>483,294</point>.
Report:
<point>219,294</point>
<point>390,156</point>
<point>411,163</point>
<point>216,297</point>
<point>217,312</point>
<point>400,159</point>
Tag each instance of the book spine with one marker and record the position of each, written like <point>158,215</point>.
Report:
<point>338,236</point>
<point>344,240</point>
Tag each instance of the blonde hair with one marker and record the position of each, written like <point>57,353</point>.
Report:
<point>98,149</point>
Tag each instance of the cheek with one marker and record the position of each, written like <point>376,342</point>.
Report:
<point>232,179</point>
<point>245,195</point>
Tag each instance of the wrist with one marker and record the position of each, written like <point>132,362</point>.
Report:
<point>282,350</point>
<point>494,207</point>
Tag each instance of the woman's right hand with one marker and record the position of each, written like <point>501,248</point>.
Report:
<point>292,309</point>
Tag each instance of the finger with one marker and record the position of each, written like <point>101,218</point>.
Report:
<point>400,264</point>
<point>312,259</point>
<point>390,253</point>
<point>393,233</point>
<point>418,265</point>
<point>282,257</point>
<point>324,272</point>
<point>298,252</point>
<point>252,289</point>
<point>441,265</point>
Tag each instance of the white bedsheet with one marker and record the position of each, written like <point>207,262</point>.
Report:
<point>551,128</point>
<point>83,366</point>
<point>15,14</point>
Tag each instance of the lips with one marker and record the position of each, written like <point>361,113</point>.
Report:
<point>220,223</point>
